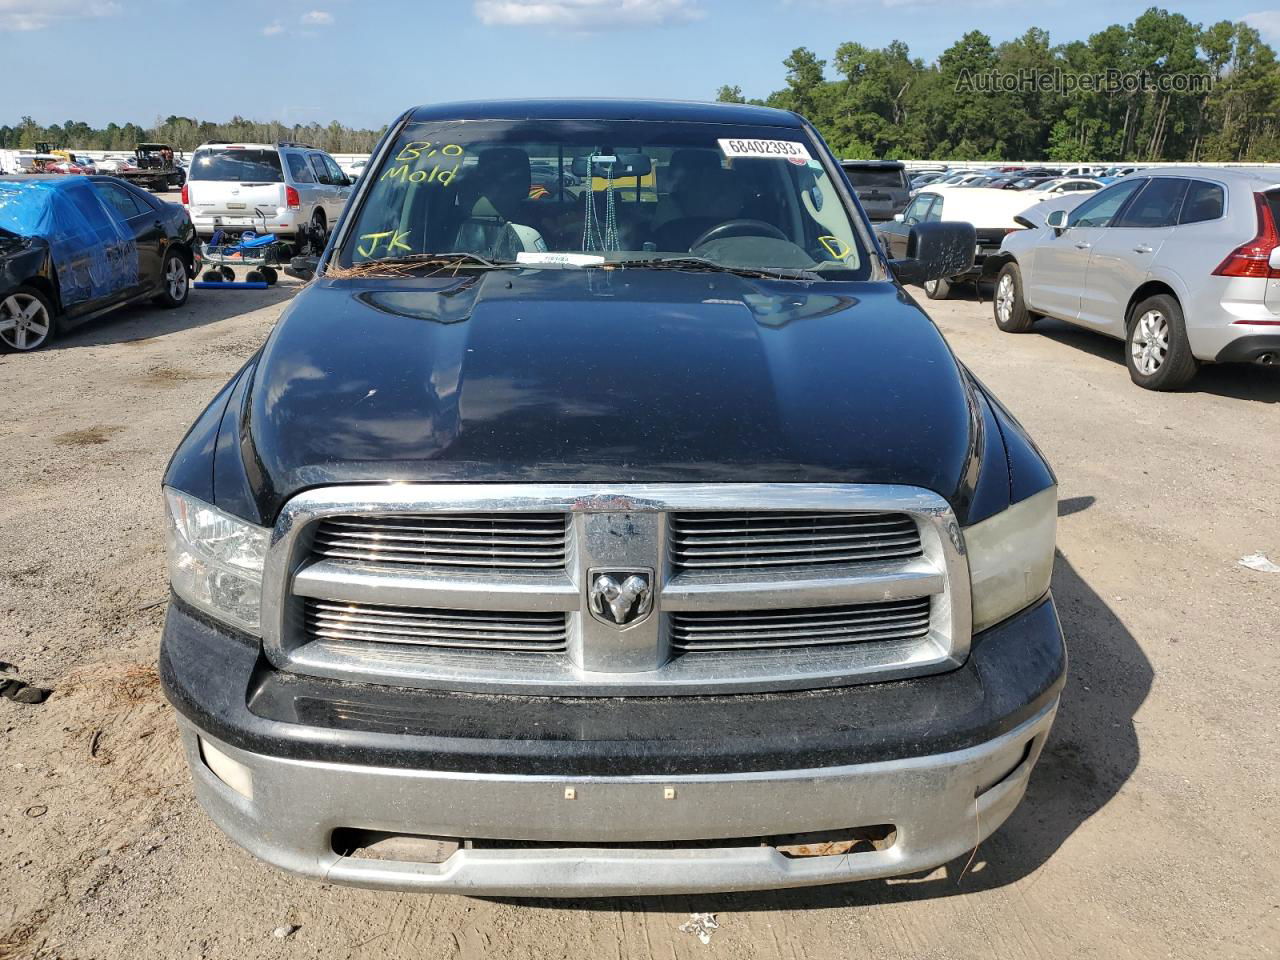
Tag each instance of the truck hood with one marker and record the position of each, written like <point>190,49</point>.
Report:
<point>610,376</point>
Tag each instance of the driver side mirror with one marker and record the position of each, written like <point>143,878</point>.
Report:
<point>899,217</point>
<point>935,250</point>
<point>1057,219</point>
<point>302,268</point>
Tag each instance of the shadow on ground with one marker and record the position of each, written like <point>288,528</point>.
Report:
<point>141,322</point>
<point>1239,381</point>
<point>1091,752</point>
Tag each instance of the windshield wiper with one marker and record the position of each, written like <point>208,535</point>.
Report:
<point>703,263</point>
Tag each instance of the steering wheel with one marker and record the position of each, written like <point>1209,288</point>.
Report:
<point>738,228</point>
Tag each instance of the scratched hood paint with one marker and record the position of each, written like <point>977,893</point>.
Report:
<point>634,375</point>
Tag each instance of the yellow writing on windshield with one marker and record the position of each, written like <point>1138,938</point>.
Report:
<point>838,249</point>
<point>393,239</point>
<point>422,161</point>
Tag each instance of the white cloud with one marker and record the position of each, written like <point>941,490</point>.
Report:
<point>1266,22</point>
<point>317,18</point>
<point>272,28</point>
<point>586,14</point>
<point>38,14</point>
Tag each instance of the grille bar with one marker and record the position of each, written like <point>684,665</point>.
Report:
<point>484,541</point>
<point>465,629</point>
<point>755,539</point>
<point>772,629</point>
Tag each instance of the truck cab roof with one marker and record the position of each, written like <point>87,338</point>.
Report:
<point>607,109</point>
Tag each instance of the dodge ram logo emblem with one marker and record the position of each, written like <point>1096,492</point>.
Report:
<point>621,597</point>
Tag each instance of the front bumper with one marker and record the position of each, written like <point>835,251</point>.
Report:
<point>619,807</point>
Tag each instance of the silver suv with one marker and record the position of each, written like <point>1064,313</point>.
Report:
<point>288,189</point>
<point>1184,266</point>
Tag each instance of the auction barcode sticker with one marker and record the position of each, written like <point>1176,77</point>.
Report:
<point>791,150</point>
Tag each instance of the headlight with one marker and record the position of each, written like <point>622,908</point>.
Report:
<point>215,560</point>
<point>1011,557</point>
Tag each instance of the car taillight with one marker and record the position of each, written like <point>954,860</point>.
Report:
<point>186,195</point>
<point>291,198</point>
<point>1253,259</point>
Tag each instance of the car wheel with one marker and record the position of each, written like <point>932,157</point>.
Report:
<point>318,233</point>
<point>939,289</point>
<point>1157,351</point>
<point>174,282</point>
<point>27,320</point>
<point>1010,309</point>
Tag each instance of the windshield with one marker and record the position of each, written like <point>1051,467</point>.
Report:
<point>590,192</point>
<point>238,165</point>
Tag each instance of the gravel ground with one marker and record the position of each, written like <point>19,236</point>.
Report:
<point>1150,825</point>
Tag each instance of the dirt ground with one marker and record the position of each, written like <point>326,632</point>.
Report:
<point>1150,828</point>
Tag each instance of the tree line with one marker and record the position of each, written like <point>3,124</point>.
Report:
<point>872,103</point>
<point>184,133</point>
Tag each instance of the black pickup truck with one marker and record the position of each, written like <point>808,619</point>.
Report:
<point>627,531</point>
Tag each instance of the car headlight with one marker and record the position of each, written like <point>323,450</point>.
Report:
<point>215,560</point>
<point>1011,557</point>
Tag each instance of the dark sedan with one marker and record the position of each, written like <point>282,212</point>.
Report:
<point>74,248</point>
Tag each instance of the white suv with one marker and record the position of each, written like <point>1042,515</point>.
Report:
<point>289,189</point>
<point>1183,265</point>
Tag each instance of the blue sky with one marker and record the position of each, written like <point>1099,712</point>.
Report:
<point>362,61</point>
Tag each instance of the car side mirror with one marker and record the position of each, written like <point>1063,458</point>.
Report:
<point>936,250</point>
<point>1057,219</point>
<point>302,268</point>
<point>899,217</point>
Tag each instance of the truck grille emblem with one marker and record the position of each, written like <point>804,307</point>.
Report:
<point>621,597</point>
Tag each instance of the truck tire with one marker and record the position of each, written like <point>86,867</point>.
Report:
<point>939,289</point>
<point>1007,305</point>
<point>1156,349</point>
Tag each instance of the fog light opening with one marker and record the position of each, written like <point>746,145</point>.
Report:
<point>403,847</point>
<point>1022,758</point>
<point>231,772</point>
<point>836,843</point>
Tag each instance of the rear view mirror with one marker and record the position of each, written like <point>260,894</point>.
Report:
<point>899,217</point>
<point>936,250</point>
<point>615,165</point>
<point>1057,219</point>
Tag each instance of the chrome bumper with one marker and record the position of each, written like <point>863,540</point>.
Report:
<point>941,805</point>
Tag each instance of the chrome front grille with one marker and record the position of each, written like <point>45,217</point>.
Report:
<point>895,620</point>
<point>531,588</point>
<point>458,629</point>
<point>493,541</point>
<point>758,538</point>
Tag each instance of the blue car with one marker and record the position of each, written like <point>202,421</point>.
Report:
<point>74,248</point>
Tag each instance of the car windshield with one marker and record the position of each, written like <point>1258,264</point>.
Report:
<point>590,192</point>
<point>238,165</point>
